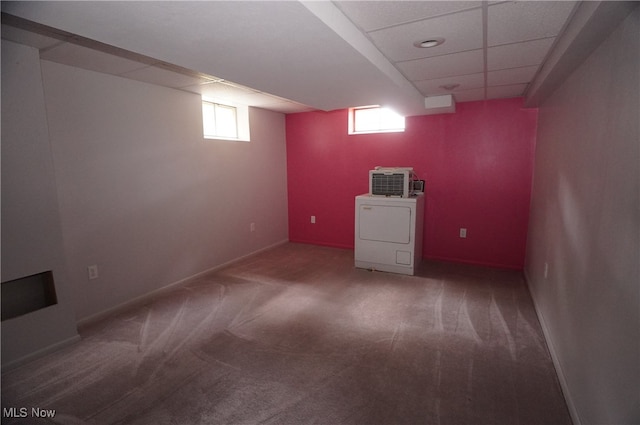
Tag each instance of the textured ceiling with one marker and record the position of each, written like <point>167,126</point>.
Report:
<point>294,56</point>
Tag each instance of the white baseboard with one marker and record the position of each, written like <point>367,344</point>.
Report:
<point>142,298</point>
<point>554,357</point>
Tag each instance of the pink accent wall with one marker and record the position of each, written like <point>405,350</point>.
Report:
<point>477,164</point>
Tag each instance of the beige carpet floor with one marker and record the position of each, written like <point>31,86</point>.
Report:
<point>297,335</point>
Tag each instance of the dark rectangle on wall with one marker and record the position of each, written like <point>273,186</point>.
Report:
<point>28,294</point>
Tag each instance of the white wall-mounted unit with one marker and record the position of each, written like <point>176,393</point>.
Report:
<point>388,233</point>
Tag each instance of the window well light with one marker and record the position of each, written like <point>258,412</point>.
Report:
<point>374,119</point>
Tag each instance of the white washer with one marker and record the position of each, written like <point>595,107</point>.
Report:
<point>388,234</point>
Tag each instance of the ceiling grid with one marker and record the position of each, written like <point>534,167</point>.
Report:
<point>300,56</point>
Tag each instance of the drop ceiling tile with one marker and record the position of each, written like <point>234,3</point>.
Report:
<point>85,58</point>
<point>511,22</point>
<point>469,95</point>
<point>500,92</point>
<point>518,54</point>
<point>465,82</point>
<point>162,77</point>
<point>511,76</point>
<point>462,63</point>
<point>372,15</point>
<point>461,31</point>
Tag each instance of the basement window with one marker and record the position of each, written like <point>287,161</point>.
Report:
<point>374,119</point>
<point>225,121</point>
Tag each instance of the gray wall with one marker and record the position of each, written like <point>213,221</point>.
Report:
<point>585,230</point>
<point>102,170</point>
<point>31,232</point>
<point>144,196</point>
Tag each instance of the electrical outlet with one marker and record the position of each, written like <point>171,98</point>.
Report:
<point>252,227</point>
<point>463,232</point>
<point>93,272</point>
<point>313,219</point>
<point>546,270</point>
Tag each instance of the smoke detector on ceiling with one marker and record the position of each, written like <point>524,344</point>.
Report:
<point>450,87</point>
<point>430,42</point>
